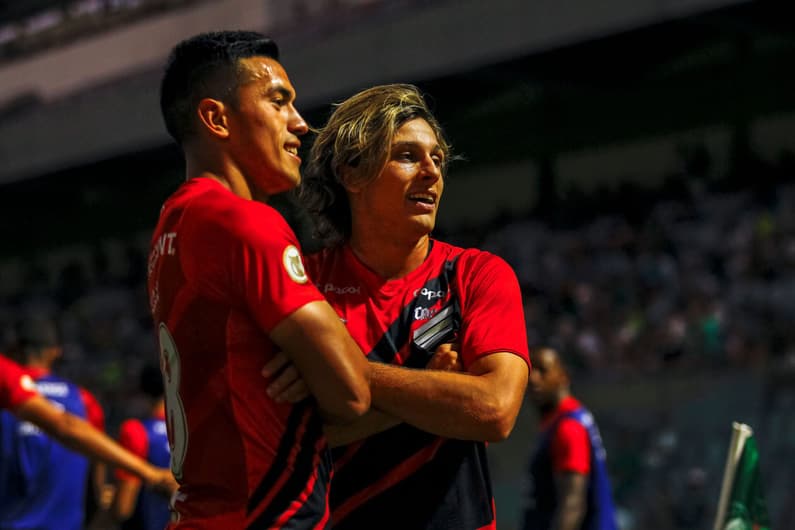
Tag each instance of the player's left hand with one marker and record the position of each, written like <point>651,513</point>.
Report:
<point>287,384</point>
<point>446,358</point>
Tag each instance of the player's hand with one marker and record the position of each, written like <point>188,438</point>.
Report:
<point>287,384</point>
<point>446,358</point>
<point>162,481</point>
<point>105,498</point>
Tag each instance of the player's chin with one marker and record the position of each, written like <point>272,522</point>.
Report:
<point>291,179</point>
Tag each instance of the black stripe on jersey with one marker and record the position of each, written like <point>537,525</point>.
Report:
<point>306,518</point>
<point>375,458</point>
<point>297,481</point>
<point>399,332</point>
<point>453,495</point>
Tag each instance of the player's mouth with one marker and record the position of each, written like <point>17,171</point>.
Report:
<point>292,149</point>
<point>424,200</point>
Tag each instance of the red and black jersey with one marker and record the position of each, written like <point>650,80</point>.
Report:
<point>405,477</point>
<point>223,272</point>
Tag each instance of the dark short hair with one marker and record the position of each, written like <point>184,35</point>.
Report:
<point>34,334</point>
<point>151,381</point>
<point>206,65</point>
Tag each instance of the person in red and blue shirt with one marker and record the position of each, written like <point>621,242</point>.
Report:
<point>19,396</point>
<point>375,179</point>
<point>134,508</point>
<point>567,483</point>
<point>45,483</point>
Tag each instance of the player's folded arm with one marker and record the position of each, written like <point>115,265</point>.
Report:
<point>481,404</point>
<point>331,364</point>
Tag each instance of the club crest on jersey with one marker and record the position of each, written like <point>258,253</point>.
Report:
<point>291,259</point>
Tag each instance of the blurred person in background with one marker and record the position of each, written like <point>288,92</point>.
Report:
<point>134,508</point>
<point>568,486</point>
<point>374,180</point>
<point>227,289</point>
<point>47,483</point>
<point>19,396</point>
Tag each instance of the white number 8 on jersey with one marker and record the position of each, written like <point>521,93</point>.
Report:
<point>175,411</point>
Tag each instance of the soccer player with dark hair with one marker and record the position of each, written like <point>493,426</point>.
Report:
<point>568,486</point>
<point>134,508</point>
<point>46,482</point>
<point>375,179</point>
<point>227,289</point>
<point>18,395</point>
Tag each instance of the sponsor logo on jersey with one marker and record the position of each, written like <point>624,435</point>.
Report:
<point>346,289</point>
<point>291,259</point>
<point>424,313</point>
<point>429,294</point>
<point>53,389</point>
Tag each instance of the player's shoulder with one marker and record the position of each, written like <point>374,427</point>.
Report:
<point>473,260</point>
<point>88,397</point>
<point>14,375</point>
<point>571,431</point>
<point>215,212</point>
<point>216,204</point>
<point>132,426</point>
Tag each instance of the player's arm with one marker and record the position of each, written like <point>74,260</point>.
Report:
<point>287,385</point>
<point>375,421</point>
<point>77,434</point>
<point>571,488</point>
<point>481,404</point>
<point>133,437</point>
<point>125,499</point>
<point>333,367</point>
<point>571,465</point>
<point>103,492</point>
<point>262,250</point>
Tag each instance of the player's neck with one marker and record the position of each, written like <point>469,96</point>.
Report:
<point>225,172</point>
<point>38,364</point>
<point>390,258</point>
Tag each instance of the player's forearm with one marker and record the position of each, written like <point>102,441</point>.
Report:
<point>571,506</point>
<point>331,364</point>
<point>371,423</point>
<point>450,404</point>
<point>125,499</point>
<point>80,435</point>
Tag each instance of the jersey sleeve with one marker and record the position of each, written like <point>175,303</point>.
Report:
<point>571,448</point>
<point>252,257</point>
<point>492,310</point>
<point>132,436</point>
<point>94,413</point>
<point>16,387</point>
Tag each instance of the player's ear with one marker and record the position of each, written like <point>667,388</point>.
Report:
<point>213,117</point>
<point>349,178</point>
